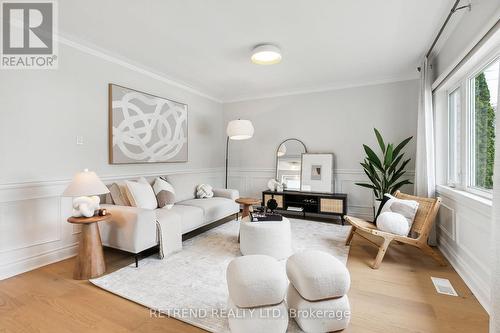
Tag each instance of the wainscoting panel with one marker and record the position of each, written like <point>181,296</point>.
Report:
<point>33,227</point>
<point>252,181</point>
<point>464,230</point>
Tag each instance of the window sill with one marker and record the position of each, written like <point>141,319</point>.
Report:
<point>468,199</point>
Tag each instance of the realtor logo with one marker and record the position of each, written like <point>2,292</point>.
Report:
<point>28,30</point>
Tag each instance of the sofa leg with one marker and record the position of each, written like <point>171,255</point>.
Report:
<point>136,261</point>
<point>237,216</point>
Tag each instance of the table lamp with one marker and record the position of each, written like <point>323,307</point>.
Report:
<point>84,188</point>
<point>239,129</point>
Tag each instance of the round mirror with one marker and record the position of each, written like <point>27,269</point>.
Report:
<point>288,163</point>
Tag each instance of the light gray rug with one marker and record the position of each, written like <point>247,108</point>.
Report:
<point>191,285</point>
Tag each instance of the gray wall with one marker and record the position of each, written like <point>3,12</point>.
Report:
<point>338,121</point>
<point>43,111</point>
<point>468,30</point>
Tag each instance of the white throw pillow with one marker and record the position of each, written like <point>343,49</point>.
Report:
<point>141,194</point>
<point>407,208</point>
<point>204,191</point>
<point>164,192</point>
<point>393,223</point>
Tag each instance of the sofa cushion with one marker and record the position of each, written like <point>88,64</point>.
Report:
<point>213,208</point>
<point>318,275</point>
<point>191,217</point>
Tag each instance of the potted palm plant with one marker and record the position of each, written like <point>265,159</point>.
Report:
<point>385,171</point>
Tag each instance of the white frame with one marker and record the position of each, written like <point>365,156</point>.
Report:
<point>319,186</point>
<point>466,130</point>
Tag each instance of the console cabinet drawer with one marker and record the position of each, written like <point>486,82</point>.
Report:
<point>277,197</point>
<point>331,206</point>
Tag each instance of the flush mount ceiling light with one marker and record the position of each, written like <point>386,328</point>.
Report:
<point>266,54</point>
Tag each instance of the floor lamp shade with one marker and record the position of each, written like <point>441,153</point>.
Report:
<point>85,183</point>
<point>240,129</point>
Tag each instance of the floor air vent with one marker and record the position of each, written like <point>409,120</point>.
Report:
<point>443,286</point>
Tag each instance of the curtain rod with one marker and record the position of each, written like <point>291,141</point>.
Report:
<point>453,10</point>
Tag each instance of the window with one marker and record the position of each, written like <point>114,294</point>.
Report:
<point>454,137</point>
<point>483,100</point>
<point>472,106</point>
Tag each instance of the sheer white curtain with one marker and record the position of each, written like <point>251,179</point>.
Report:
<point>425,173</point>
<point>495,281</point>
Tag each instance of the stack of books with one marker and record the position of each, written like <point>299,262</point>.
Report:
<point>265,217</point>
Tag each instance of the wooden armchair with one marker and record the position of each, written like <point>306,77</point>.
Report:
<point>426,214</point>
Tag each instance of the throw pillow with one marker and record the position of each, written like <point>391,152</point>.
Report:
<point>165,193</point>
<point>141,194</point>
<point>204,191</point>
<point>393,223</point>
<point>118,193</point>
<point>407,208</point>
<point>384,200</point>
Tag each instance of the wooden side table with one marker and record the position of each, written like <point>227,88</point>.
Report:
<point>90,259</point>
<point>247,203</point>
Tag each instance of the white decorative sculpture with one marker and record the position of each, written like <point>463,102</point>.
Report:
<point>274,185</point>
<point>85,206</point>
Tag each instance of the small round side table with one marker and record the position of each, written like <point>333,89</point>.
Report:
<point>247,203</point>
<point>90,259</point>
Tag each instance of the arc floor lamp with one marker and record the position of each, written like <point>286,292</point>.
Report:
<point>239,129</point>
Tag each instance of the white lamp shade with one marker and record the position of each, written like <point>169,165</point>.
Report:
<point>85,183</point>
<point>240,129</point>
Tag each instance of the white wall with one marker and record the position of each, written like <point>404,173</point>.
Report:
<point>41,113</point>
<point>338,121</point>
<point>464,223</point>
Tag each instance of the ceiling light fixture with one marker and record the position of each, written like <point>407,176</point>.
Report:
<point>266,54</point>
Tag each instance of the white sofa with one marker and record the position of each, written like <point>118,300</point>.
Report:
<point>133,229</point>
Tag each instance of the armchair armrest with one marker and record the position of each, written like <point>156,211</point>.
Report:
<point>226,193</point>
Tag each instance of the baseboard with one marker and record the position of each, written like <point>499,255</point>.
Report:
<point>480,290</point>
<point>37,261</point>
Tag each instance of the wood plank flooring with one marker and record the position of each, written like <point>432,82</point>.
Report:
<point>399,297</point>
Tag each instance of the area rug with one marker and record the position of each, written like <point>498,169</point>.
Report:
<point>191,285</point>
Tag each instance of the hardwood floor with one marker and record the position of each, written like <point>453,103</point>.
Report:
<point>399,297</point>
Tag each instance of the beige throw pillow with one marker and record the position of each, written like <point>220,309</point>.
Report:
<point>165,193</point>
<point>118,193</point>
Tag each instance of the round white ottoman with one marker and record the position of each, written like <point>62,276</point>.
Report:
<point>272,318</point>
<point>318,275</point>
<point>321,316</point>
<point>270,238</point>
<point>257,286</point>
<point>256,280</point>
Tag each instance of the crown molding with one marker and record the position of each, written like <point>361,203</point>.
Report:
<point>106,55</point>
<point>319,89</point>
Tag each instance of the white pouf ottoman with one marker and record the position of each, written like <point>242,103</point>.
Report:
<point>318,275</point>
<point>272,318</point>
<point>270,238</point>
<point>257,286</point>
<point>321,316</point>
<point>317,295</point>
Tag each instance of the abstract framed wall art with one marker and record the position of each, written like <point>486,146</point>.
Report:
<point>144,128</point>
